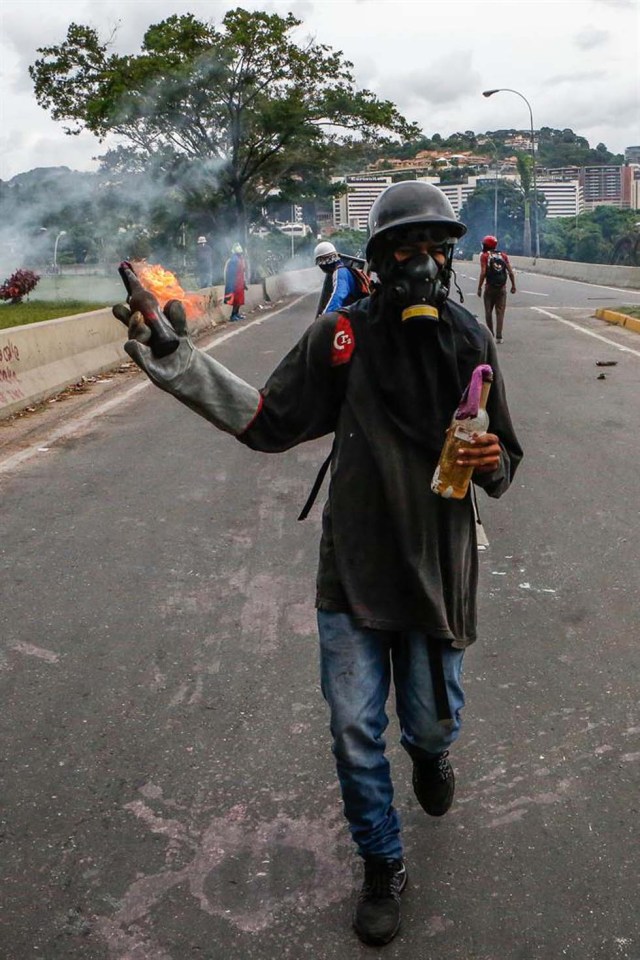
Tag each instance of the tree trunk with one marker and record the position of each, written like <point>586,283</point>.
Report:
<point>241,216</point>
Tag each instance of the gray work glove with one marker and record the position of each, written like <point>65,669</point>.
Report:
<point>189,374</point>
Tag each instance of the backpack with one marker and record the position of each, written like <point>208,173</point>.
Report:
<point>362,279</point>
<point>496,270</point>
<point>355,266</point>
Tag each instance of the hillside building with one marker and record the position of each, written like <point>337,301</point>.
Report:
<point>563,195</point>
<point>568,191</point>
<point>352,208</point>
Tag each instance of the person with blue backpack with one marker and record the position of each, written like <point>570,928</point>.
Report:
<point>494,270</point>
<point>344,283</point>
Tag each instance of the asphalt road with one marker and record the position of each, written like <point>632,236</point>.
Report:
<point>168,789</point>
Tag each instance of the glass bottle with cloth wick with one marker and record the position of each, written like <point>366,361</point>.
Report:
<point>451,479</point>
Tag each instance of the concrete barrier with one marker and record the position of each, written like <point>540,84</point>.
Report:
<point>38,360</point>
<point>601,273</point>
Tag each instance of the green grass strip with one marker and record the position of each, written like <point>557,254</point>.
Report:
<point>630,311</point>
<point>18,314</point>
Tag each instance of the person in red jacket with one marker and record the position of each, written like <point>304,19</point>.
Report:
<point>235,282</point>
<point>494,269</point>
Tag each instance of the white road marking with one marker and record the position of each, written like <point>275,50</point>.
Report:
<point>590,333</point>
<point>79,422</point>
<point>599,286</point>
<point>534,293</point>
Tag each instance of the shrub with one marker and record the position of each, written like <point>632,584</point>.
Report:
<point>18,285</point>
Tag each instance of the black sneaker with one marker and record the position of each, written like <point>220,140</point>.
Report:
<point>376,919</point>
<point>434,784</point>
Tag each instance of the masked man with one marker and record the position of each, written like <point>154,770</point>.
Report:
<point>204,263</point>
<point>342,285</point>
<point>397,578</point>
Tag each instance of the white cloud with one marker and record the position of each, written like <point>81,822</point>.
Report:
<point>432,60</point>
<point>433,83</point>
<point>587,76</point>
<point>590,38</point>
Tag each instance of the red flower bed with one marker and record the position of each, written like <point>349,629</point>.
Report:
<point>18,285</point>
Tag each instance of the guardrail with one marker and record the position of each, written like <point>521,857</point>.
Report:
<point>602,273</point>
<point>38,360</point>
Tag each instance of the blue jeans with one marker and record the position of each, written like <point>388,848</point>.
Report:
<point>355,672</point>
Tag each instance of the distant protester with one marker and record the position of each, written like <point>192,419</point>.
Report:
<point>204,263</point>
<point>344,284</point>
<point>494,269</point>
<point>235,284</point>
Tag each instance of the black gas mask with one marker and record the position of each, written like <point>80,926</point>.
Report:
<point>417,286</point>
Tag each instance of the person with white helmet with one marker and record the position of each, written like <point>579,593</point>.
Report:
<point>204,262</point>
<point>398,564</point>
<point>343,285</point>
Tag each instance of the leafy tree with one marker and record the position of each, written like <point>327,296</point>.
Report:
<point>351,242</point>
<point>613,221</point>
<point>589,245</point>
<point>478,214</point>
<point>456,174</point>
<point>525,170</point>
<point>593,237</point>
<point>230,111</point>
<point>553,239</point>
<point>553,247</point>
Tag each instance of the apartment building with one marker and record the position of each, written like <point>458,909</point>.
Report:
<point>602,184</point>
<point>635,188</point>
<point>352,208</point>
<point>568,191</point>
<point>456,193</point>
<point>563,195</point>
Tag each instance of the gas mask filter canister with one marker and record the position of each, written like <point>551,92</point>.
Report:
<point>415,286</point>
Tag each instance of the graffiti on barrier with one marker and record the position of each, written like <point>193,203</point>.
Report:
<point>9,352</point>
<point>10,396</point>
<point>10,389</point>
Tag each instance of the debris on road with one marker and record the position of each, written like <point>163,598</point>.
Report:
<point>601,376</point>
<point>606,363</point>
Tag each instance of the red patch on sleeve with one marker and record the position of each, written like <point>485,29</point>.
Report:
<point>343,342</point>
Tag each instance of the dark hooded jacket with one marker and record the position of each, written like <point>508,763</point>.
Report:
<point>393,554</point>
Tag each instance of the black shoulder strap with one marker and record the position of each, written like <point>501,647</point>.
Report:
<point>315,489</point>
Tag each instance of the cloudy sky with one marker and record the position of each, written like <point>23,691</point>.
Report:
<point>576,61</point>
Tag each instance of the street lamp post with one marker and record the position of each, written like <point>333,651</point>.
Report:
<point>293,215</point>
<point>62,233</point>
<point>490,93</point>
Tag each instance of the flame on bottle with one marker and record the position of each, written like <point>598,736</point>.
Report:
<point>164,286</point>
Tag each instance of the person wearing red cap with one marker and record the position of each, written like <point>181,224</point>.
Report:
<point>494,269</point>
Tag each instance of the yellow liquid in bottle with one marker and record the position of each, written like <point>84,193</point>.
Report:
<point>451,479</point>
